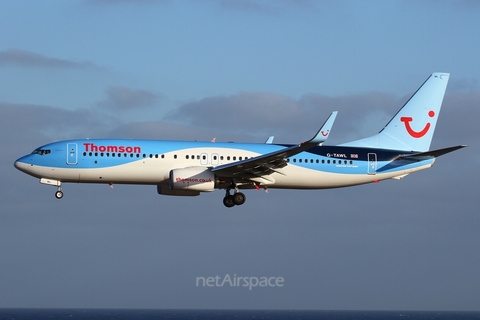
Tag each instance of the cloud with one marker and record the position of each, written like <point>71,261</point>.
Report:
<point>125,98</point>
<point>292,120</point>
<point>463,85</point>
<point>458,120</point>
<point>23,58</point>
<point>161,130</point>
<point>43,124</point>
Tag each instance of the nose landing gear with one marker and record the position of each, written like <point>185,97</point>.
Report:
<point>59,194</point>
<point>56,183</point>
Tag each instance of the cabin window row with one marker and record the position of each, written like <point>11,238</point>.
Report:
<point>214,157</point>
<point>328,161</point>
<point>204,157</point>
<point>119,155</point>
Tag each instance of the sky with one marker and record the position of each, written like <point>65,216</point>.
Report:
<point>238,71</point>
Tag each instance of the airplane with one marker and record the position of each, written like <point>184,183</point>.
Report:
<point>188,168</point>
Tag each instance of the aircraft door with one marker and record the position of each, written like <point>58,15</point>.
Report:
<point>72,153</point>
<point>372,163</point>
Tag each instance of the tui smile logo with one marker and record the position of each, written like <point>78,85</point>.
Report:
<point>413,133</point>
<point>325,133</point>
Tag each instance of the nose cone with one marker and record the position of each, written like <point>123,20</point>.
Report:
<point>23,164</point>
<point>20,165</point>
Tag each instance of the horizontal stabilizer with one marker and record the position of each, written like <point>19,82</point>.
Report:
<point>430,154</point>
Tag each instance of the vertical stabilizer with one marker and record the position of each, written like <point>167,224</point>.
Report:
<point>413,126</point>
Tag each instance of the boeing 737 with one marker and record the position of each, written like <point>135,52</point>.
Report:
<point>187,168</point>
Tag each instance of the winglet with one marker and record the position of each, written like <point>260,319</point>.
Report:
<point>324,131</point>
<point>270,140</point>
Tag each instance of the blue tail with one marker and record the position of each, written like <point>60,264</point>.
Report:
<point>412,128</point>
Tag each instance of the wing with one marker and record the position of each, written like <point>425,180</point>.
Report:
<point>261,166</point>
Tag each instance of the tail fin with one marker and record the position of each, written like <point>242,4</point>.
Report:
<point>412,127</point>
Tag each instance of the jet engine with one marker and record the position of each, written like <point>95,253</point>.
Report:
<point>197,179</point>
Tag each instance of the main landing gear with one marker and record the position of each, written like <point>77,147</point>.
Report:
<point>231,200</point>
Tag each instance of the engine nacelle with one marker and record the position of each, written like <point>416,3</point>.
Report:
<point>197,179</point>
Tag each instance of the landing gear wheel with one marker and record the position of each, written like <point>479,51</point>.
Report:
<point>239,198</point>
<point>59,194</point>
<point>228,201</point>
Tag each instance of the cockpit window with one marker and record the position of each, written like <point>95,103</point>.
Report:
<point>41,152</point>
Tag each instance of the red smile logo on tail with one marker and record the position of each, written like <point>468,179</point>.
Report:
<point>413,133</point>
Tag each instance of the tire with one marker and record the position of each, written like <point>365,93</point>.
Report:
<point>239,198</point>
<point>228,201</point>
